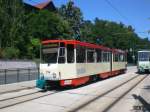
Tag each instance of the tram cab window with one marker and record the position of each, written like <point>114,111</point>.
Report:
<point>80,54</point>
<point>49,53</point>
<point>61,57</point>
<point>144,56</point>
<point>70,53</point>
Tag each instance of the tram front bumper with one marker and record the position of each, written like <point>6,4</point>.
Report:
<point>143,69</point>
<point>40,83</point>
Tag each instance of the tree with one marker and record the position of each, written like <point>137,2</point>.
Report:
<point>74,16</point>
<point>45,25</point>
<point>87,32</point>
<point>11,23</point>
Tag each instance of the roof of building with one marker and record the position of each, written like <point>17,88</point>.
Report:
<point>40,4</point>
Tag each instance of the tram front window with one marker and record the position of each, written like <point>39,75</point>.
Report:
<point>50,55</point>
<point>144,56</point>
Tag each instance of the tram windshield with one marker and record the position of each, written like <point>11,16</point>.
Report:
<point>49,53</point>
<point>144,56</point>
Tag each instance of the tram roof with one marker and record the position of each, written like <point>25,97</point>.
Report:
<point>75,42</point>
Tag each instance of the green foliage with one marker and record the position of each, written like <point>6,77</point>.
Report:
<point>10,53</point>
<point>1,53</point>
<point>11,23</point>
<point>21,30</point>
<point>47,25</point>
<point>114,35</point>
<point>74,17</point>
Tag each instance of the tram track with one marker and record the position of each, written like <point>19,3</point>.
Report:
<point>124,93</point>
<point>89,101</point>
<point>11,91</point>
<point>8,102</point>
<point>17,96</point>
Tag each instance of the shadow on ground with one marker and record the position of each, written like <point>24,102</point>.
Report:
<point>144,107</point>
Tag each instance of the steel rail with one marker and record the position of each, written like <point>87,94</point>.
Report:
<point>11,91</point>
<point>75,109</point>
<point>24,98</point>
<point>125,93</point>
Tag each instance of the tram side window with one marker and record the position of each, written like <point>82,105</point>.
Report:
<point>99,55</point>
<point>116,57</point>
<point>61,58</point>
<point>113,57</point>
<point>80,54</point>
<point>108,56</point>
<point>121,57</point>
<point>124,57</point>
<point>70,53</point>
<point>105,57</point>
<point>90,56</point>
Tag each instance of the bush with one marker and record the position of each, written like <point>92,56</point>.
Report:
<point>10,53</point>
<point>1,53</point>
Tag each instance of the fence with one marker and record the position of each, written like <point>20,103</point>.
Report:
<point>8,76</point>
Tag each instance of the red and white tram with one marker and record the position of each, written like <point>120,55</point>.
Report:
<point>73,63</point>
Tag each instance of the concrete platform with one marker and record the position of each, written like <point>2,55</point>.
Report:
<point>16,86</point>
<point>61,101</point>
<point>137,100</point>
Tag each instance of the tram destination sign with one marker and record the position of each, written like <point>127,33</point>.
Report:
<point>51,45</point>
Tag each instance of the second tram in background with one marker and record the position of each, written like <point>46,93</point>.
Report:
<point>73,63</point>
<point>144,61</point>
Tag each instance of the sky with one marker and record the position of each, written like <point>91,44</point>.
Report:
<point>129,12</point>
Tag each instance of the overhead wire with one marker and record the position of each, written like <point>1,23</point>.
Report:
<point>123,16</point>
<point>113,7</point>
